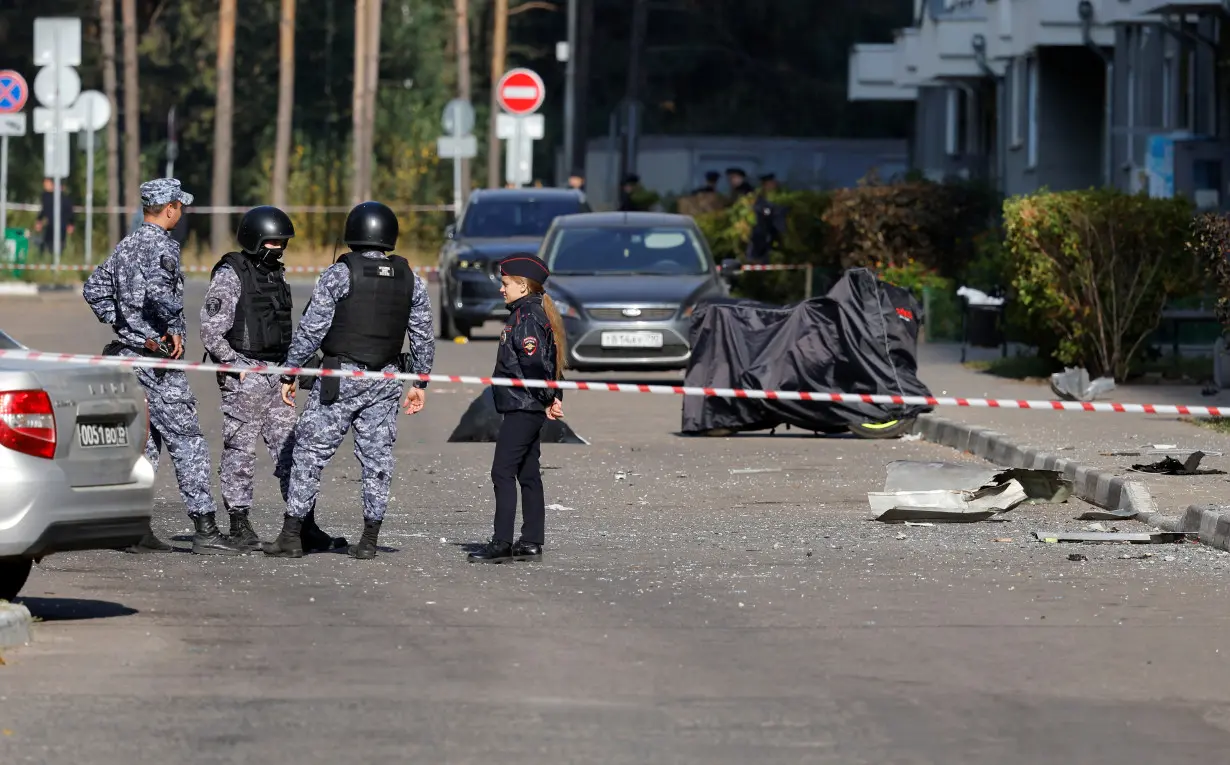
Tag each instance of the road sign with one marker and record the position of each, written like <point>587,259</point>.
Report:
<point>520,92</point>
<point>457,147</point>
<point>13,91</point>
<point>12,125</point>
<point>55,155</point>
<point>93,109</point>
<point>57,41</point>
<point>458,117</point>
<point>57,86</point>
<point>45,121</point>
<point>532,127</point>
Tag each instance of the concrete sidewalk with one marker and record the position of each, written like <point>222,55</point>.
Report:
<point>1080,443</point>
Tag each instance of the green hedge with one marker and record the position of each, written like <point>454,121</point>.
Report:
<point>1092,270</point>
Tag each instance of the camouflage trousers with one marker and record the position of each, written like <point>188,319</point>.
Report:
<point>173,422</point>
<point>252,412</point>
<point>371,407</point>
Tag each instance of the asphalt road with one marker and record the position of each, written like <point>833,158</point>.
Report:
<point>683,614</point>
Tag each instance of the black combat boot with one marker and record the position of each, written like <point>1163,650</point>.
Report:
<point>366,548</point>
<point>315,539</point>
<point>524,550</point>
<point>289,543</point>
<point>242,534</point>
<point>494,551</point>
<point>208,540</point>
<point>149,544</point>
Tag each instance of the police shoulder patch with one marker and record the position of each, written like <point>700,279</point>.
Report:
<point>170,264</point>
<point>529,345</point>
<point>212,306</point>
<point>504,335</point>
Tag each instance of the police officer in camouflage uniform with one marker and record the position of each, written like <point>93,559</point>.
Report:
<point>361,308</point>
<point>139,291</point>
<point>246,321</point>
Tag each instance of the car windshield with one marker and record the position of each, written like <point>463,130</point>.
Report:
<point>499,218</point>
<point>623,250</point>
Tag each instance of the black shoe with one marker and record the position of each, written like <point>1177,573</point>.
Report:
<point>366,548</point>
<point>494,551</point>
<point>527,551</point>
<point>149,544</point>
<point>314,539</point>
<point>208,540</point>
<point>242,534</point>
<point>289,543</point>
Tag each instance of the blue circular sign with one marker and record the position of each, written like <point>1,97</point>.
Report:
<point>13,91</point>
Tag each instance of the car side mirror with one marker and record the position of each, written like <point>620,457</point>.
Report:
<point>450,231</point>
<point>729,267</point>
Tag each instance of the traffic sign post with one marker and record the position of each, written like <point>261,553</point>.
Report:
<point>95,111</point>
<point>13,96</point>
<point>57,49</point>
<point>458,143</point>
<point>520,94</point>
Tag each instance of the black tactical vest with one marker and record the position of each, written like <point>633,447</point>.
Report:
<point>369,324</point>
<point>262,326</point>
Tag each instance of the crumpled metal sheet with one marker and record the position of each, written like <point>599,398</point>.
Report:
<point>946,505</point>
<point>1040,486</point>
<point>1074,385</point>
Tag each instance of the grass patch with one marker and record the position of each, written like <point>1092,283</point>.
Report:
<point>1016,367</point>
<point>1196,368</point>
<point>1215,424</point>
<point>1191,368</point>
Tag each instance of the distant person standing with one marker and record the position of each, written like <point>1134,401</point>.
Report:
<point>576,181</point>
<point>738,182</point>
<point>711,181</point>
<point>770,224</point>
<point>46,217</point>
<point>626,190</point>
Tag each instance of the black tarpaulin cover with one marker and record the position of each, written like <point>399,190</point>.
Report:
<point>859,338</point>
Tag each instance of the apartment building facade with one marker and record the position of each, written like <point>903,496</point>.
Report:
<point>1063,94</point>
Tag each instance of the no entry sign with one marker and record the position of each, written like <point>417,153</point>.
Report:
<point>520,92</point>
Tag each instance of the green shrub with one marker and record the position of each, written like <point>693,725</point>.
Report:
<point>1210,243</point>
<point>1095,268</point>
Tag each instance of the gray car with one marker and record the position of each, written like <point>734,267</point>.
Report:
<point>627,283</point>
<point>73,475</point>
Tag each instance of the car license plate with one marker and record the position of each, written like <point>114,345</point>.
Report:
<point>631,339</point>
<point>93,435</point>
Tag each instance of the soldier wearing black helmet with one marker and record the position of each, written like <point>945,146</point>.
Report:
<point>362,308</point>
<point>246,321</point>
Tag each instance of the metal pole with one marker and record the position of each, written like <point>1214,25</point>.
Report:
<point>456,166</point>
<point>811,280</point>
<point>570,90</point>
<point>4,185</point>
<point>514,147</point>
<point>172,146</point>
<point>55,145</point>
<point>89,185</point>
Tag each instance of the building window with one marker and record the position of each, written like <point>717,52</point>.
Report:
<point>1018,102</point>
<point>1031,112</point>
<point>1167,91</point>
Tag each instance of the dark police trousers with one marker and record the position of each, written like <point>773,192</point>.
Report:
<point>517,450</point>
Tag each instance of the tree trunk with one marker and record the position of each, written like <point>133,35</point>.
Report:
<point>464,86</point>
<point>132,112</point>
<point>374,8</point>
<point>286,103</point>
<point>358,107</point>
<point>499,51</point>
<point>224,112</point>
<point>107,30</point>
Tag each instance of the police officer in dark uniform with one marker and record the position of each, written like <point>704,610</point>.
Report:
<point>711,181</point>
<point>626,190</point>
<point>532,347</point>
<point>770,224</point>
<point>362,308</point>
<point>246,321</point>
<point>738,182</point>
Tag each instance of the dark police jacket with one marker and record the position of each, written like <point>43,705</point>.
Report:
<point>526,352</point>
<point>369,324</point>
<point>262,326</point>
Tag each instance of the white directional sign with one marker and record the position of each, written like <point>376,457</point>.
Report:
<point>93,109</point>
<point>13,125</point>
<point>45,121</point>
<point>519,133</point>
<point>457,147</point>
<point>533,127</point>
<point>54,36</point>
<point>55,155</point>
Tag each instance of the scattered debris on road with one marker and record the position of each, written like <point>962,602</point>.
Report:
<point>1077,557</point>
<point>1153,537</point>
<point>961,493</point>
<point>1171,466</point>
<point>1074,385</point>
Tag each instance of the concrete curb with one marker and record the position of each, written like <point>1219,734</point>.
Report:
<point>1099,487</point>
<point>15,623</point>
<point>1211,522</point>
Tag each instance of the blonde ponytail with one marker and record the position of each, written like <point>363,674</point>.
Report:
<point>557,325</point>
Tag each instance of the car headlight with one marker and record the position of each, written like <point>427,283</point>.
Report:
<point>566,309</point>
<point>467,261</point>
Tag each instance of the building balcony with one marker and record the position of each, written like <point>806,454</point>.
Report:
<point>873,74</point>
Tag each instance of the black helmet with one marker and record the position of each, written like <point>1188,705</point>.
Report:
<point>373,225</point>
<point>263,224</point>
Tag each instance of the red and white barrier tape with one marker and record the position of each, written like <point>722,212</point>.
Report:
<point>234,209</point>
<point>775,267</point>
<point>675,390</point>
<point>185,269</point>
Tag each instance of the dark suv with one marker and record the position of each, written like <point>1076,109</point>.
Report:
<point>494,224</point>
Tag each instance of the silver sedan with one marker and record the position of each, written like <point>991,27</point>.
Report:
<point>73,475</point>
